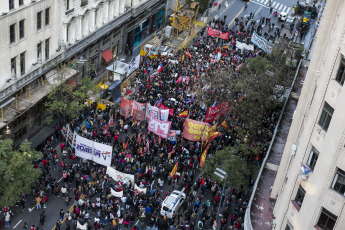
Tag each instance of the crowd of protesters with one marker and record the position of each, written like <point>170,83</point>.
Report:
<point>86,185</point>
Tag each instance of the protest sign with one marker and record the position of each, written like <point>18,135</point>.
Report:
<point>83,148</point>
<point>161,128</point>
<point>119,176</point>
<point>214,113</point>
<point>126,107</point>
<point>138,110</point>
<point>141,190</point>
<point>171,111</point>
<point>172,135</point>
<point>133,65</point>
<point>241,46</point>
<point>152,111</point>
<point>193,130</point>
<point>164,114</point>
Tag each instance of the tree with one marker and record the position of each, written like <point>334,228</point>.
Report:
<point>232,163</point>
<point>67,102</point>
<point>17,172</point>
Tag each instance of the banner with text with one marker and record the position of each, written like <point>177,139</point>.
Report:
<point>102,153</point>
<point>216,33</point>
<point>171,111</point>
<point>138,110</point>
<point>194,130</point>
<point>161,128</point>
<point>83,148</point>
<point>152,111</point>
<point>214,113</point>
<point>119,176</point>
<point>164,114</point>
<point>261,42</point>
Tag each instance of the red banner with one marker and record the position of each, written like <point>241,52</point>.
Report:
<point>126,107</point>
<point>194,130</point>
<point>138,110</point>
<point>216,33</point>
<point>171,111</point>
<point>214,113</point>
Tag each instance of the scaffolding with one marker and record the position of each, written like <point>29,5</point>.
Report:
<point>184,17</point>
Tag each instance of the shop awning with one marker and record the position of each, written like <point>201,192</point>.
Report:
<point>107,55</point>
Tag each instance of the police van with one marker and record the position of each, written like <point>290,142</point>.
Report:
<point>172,204</point>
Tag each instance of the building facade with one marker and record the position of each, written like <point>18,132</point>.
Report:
<point>83,35</point>
<point>309,188</point>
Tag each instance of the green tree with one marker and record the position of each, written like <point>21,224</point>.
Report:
<point>66,102</point>
<point>232,163</point>
<point>17,173</point>
<point>203,5</point>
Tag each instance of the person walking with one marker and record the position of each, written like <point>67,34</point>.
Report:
<point>42,217</point>
<point>38,202</point>
<point>7,219</point>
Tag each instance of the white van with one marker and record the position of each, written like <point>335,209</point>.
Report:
<point>172,203</point>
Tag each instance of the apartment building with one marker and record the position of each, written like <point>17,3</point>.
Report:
<point>309,189</point>
<point>82,35</point>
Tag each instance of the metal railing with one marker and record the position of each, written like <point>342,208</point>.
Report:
<point>247,217</point>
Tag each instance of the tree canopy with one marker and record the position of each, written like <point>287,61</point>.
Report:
<point>17,172</point>
<point>67,102</point>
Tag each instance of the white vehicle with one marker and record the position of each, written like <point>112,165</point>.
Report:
<point>172,204</point>
<point>282,16</point>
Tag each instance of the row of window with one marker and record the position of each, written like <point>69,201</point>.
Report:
<point>22,26</point>
<point>326,221</point>
<point>22,57</point>
<point>11,4</point>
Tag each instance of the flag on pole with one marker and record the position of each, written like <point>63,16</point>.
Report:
<point>183,114</point>
<point>174,170</point>
<point>160,67</point>
<point>188,54</point>
<point>224,125</point>
<point>203,157</point>
<point>125,145</point>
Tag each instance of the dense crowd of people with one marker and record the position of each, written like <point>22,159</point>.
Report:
<point>150,158</point>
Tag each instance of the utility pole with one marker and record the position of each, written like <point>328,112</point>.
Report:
<point>222,175</point>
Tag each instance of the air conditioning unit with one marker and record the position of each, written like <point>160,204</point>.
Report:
<point>302,173</point>
<point>293,149</point>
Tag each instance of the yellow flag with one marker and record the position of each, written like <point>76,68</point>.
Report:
<point>182,57</point>
<point>142,53</point>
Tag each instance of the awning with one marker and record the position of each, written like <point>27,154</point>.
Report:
<point>107,55</point>
<point>41,136</point>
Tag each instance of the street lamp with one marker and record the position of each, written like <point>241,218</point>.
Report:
<point>7,131</point>
<point>222,175</point>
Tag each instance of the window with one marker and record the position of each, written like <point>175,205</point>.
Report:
<point>314,154</point>
<point>22,63</point>
<point>84,3</point>
<point>326,220</point>
<point>12,33</point>
<point>11,4</point>
<point>341,72</point>
<point>300,196</point>
<point>326,116</point>
<point>39,20</point>
<point>338,184</point>
<point>14,65</point>
<point>47,16</point>
<point>21,2</point>
<point>288,226</point>
<point>68,4</point>
<point>39,50</point>
<point>21,29</point>
<point>67,32</point>
<point>47,49</point>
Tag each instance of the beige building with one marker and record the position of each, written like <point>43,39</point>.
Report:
<point>309,188</point>
<point>38,36</point>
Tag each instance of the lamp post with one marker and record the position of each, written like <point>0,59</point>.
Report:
<point>222,175</point>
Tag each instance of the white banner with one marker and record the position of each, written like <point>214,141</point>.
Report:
<point>116,194</point>
<point>219,56</point>
<point>119,176</point>
<point>133,65</point>
<point>161,128</point>
<point>164,114</point>
<point>241,46</point>
<point>83,148</point>
<point>143,190</point>
<point>102,153</point>
<point>152,111</point>
<point>81,227</point>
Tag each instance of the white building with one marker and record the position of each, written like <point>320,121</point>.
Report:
<point>315,199</point>
<point>81,34</point>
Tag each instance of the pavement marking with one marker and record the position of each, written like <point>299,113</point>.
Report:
<point>30,209</point>
<point>137,222</point>
<point>284,8</point>
<point>238,14</point>
<point>261,1</point>
<point>281,6</point>
<point>266,2</point>
<point>17,224</point>
<point>274,4</point>
<point>276,7</point>
<point>288,10</point>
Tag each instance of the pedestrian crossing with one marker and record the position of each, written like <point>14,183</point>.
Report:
<point>275,5</point>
